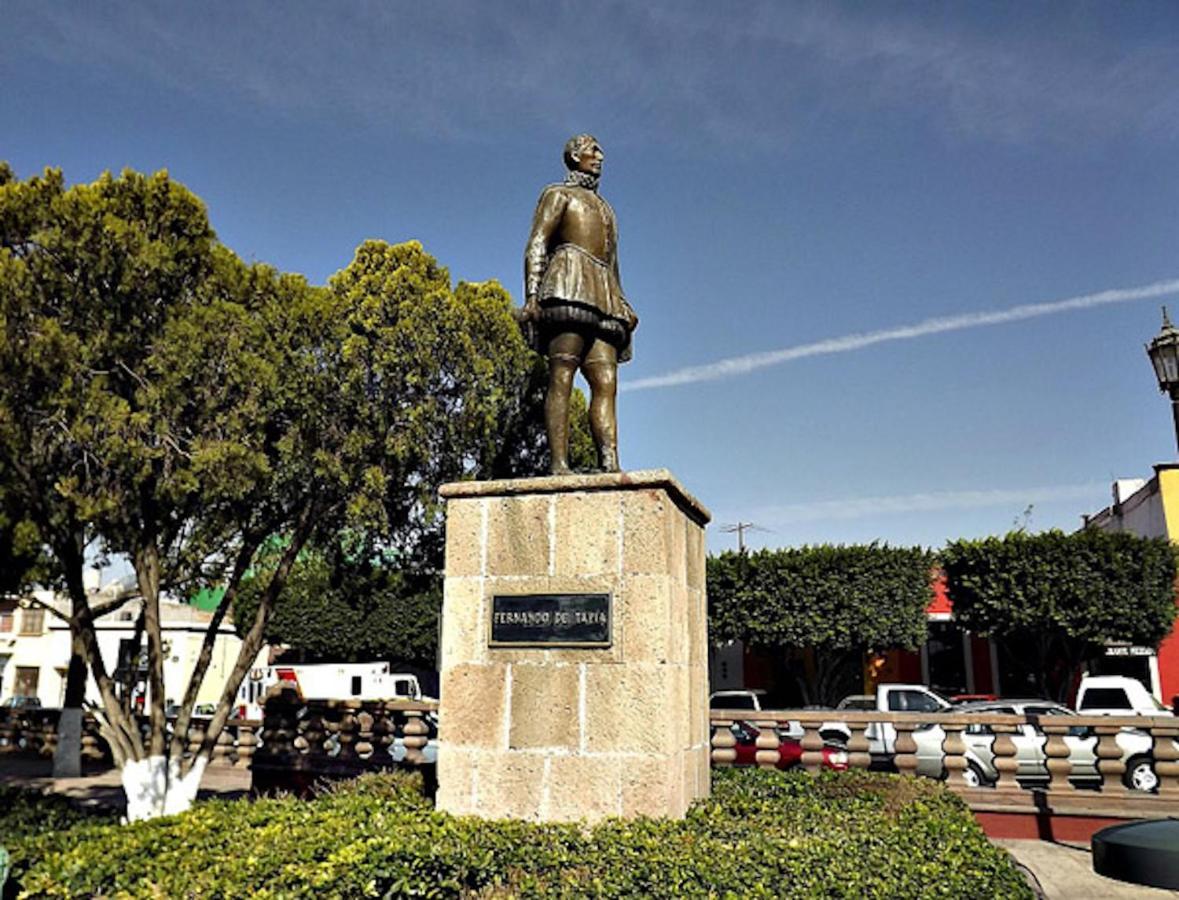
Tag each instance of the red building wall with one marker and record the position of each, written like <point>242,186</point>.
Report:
<point>1169,666</point>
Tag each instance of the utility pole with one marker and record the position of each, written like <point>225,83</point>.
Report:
<point>739,528</point>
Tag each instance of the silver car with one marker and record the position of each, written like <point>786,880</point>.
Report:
<point>1029,743</point>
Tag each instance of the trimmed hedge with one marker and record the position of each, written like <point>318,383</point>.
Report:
<point>25,814</point>
<point>762,834</point>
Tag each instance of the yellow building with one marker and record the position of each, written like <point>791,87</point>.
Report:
<point>1147,508</point>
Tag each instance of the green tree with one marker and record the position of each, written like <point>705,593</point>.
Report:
<point>329,419</point>
<point>837,602</point>
<point>336,607</point>
<point>1057,599</point>
<point>86,274</point>
<point>23,561</point>
<point>452,392</point>
<point>162,400</point>
<point>339,610</point>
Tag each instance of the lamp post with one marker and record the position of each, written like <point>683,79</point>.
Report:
<point>1164,356</point>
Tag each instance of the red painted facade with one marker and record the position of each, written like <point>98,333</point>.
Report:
<point>1169,666</point>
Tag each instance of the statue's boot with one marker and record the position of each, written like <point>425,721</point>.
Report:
<point>602,375</point>
<point>609,459</point>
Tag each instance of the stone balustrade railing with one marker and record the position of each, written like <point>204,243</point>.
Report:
<point>303,741</point>
<point>33,733</point>
<point>1096,765</point>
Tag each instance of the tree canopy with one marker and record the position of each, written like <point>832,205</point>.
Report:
<point>165,400</point>
<point>1057,598</point>
<point>836,601</point>
<point>451,391</point>
<point>339,610</point>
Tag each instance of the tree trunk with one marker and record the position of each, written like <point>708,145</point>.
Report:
<point>147,571</point>
<point>241,565</point>
<point>255,637</point>
<point>155,787</point>
<point>162,783</point>
<point>67,757</point>
<point>70,553</point>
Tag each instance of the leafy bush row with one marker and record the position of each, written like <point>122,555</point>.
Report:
<point>761,834</point>
<point>25,814</point>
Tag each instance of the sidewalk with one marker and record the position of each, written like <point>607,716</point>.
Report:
<point>1066,871</point>
<point>100,786</point>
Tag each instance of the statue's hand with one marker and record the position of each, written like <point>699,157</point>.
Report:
<point>632,318</point>
<point>530,312</point>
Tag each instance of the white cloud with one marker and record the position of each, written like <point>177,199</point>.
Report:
<point>745,76</point>
<point>869,507</point>
<point>741,365</point>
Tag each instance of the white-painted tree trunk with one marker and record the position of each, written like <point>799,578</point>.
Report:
<point>67,757</point>
<point>155,788</point>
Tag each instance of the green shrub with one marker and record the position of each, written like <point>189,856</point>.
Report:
<point>25,814</point>
<point>761,834</point>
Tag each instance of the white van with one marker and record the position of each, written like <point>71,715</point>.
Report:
<point>328,681</point>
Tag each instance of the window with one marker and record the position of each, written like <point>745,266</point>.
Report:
<point>1046,711</point>
<point>32,620</point>
<point>25,684</point>
<point>1105,698</point>
<point>355,685</point>
<point>912,701</point>
<point>6,619</point>
<point>732,701</point>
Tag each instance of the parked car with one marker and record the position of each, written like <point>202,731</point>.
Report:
<point>744,699</point>
<point>1117,695</point>
<point>888,698</point>
<point>19,701</point>
<point>789,749</point>
<point>858,703</point>
<point>980,771</point>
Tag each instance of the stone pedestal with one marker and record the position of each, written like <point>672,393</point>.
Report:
<point>575,733</point>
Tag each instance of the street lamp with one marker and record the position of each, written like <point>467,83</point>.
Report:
<point>1164,356</point>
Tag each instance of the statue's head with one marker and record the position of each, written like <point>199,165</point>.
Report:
<point>584,154</point>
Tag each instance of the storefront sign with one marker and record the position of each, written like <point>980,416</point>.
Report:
<point>1129,651</point>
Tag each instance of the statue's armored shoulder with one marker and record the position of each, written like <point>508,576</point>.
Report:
<point>557,189</point>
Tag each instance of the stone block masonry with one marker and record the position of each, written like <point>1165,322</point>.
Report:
<point>560,732</point>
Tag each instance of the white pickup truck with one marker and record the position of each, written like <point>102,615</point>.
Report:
<point>1117,695</point>
<point>904,698</point>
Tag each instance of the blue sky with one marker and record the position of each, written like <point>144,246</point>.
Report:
<point>785,175</point>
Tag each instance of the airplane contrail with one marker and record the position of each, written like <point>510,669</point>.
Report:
<point>740,365</point>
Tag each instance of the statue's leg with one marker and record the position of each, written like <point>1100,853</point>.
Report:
<point>564,353</point>
<point>601,371</point>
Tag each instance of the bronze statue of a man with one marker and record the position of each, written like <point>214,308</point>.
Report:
<point>574,305</point>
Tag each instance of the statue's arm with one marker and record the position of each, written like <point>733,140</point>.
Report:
<point>545,221</point>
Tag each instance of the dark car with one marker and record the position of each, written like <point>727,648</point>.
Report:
<point>789,749</point>
<point>20,702</point>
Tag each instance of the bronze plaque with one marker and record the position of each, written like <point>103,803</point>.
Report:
<point>550,620</point>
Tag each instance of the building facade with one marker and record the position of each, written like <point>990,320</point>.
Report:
<point>1147,508</point>
<point>35,648</point>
